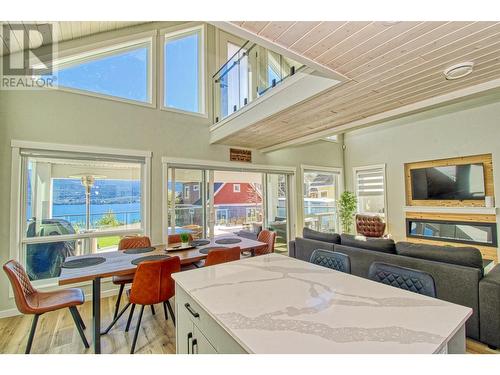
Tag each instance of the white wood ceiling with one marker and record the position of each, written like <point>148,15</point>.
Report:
<point>63,31</point>
<point>388,65</point>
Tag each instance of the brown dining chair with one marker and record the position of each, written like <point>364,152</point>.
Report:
<point>132,242</point>
<point>223,255</point>
<point>152,284</point>
<point>269,237</point>
<point>176,238</point>
<point>31,301</point>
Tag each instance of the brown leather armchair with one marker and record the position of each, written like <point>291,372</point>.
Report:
<point>31,301</point>
<point>370,225</point>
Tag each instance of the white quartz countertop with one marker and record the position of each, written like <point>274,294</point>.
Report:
<point>276,304</point>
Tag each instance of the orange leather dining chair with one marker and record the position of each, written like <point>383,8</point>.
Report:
<point>269,237</point>
<point>152,284</point>
<point>31,301</point>
<point>223,255</point>
<point>176,238</point>
<point>132,242</point>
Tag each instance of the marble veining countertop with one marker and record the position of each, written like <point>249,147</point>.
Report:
<point>277,304</point>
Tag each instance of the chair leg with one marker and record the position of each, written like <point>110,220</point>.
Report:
<point>80,319</point>
<point>165,310</point>
<point>171,311</point>
<point>74,313</point>
<point>32,333</point>
<point>116,319</point>
<point>118,299</point>
<point>153,309</point>
<point>130,317</point>
<point>137,330</point>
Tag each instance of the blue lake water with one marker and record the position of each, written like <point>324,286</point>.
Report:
<point>126,213</point>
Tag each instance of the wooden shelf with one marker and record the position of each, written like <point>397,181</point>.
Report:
<point>452,210</point>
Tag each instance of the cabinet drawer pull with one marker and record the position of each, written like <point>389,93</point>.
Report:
<point>190,309</point>
<point>195,342</point>
<point>189,337</point>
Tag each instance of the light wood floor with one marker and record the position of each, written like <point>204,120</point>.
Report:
<point>56,333</point>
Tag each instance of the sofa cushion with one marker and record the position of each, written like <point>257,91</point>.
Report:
<point>304,247</point>
<point>462,256</point>
<point>383,245</point>
<point>320,236</point>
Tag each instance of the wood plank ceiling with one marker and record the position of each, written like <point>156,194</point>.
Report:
<point>388,64</point>
<point>63,31</point>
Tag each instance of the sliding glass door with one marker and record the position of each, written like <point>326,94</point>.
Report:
<point>320,193</point>
<point>210,202</point>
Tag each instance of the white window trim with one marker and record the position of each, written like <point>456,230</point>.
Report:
<point>237,166</point>
<point>17,204</point>
<point>316,168</point>
<point>86,53</point>
<point>355,170</point>
<point>238,190</point>
<point>171,32</point>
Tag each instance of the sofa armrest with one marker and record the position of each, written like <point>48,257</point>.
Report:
<point>291,249</point>
<point>489,308</point>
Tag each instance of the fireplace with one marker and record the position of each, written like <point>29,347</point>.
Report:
<point>473,233</point>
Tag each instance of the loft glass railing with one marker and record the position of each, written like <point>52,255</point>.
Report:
<point>247,75</point>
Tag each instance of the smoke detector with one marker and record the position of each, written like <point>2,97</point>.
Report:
<point>458,70</point>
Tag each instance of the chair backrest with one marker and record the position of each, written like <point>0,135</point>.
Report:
<point>334,260</point>
<point>176,238</point>
<point>153,281</point>
<point>223,255</point>
<point>134,242</point>
<point>370,225</point>
<point>21,286</point>
<point>404,278</point>
<point>268,237</point>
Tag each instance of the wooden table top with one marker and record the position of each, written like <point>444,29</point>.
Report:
<point>118,263</point>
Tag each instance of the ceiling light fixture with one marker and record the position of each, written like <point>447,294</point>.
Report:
<point>458,70</point>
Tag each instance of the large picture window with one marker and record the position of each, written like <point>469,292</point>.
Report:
<point>184,71</point>
<point>121,71</point>
<point>77,203</point>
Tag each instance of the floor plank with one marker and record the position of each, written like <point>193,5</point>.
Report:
<point>56,332</point>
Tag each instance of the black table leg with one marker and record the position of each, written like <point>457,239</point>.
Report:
<point>96,313</point>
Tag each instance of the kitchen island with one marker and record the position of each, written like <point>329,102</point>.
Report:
<point>277,304</point>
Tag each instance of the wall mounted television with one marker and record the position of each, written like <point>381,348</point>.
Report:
<point>450,182</point>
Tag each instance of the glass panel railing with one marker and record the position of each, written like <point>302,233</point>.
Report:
<point>248,74</point>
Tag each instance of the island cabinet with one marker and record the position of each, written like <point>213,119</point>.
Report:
<point>197,332</point>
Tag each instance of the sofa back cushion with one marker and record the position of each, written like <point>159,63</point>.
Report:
<point>383,245</point>
<point>320,236</point>
<point>462,256</point>
<point>304,248</point>
<point>456,284</point>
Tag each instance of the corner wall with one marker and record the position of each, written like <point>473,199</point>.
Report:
<point>461,129</point>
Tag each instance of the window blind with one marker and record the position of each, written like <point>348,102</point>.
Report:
<point>370,182</point>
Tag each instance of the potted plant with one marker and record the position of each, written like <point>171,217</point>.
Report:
<point>184,239</point>
<point>347,209</point>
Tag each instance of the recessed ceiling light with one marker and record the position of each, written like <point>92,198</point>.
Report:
<point>458,70</point>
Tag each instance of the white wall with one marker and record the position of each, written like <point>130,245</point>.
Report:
<point>467,128</point>
<point>61,117</point>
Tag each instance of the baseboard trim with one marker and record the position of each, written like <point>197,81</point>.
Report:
<point>88,297</point>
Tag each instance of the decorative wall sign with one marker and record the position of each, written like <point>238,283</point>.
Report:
<point>236,154</point>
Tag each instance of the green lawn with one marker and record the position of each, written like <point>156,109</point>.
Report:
<point>103,242</point>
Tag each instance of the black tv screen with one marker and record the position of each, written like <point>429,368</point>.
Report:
<point>451,182</point>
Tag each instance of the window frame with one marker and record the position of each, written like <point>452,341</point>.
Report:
<point>177,32</point>
<point>236,190</point>
<point>88,53</point>
<point>315,168</point>
<point>355,171</point>
<point>18,195</point>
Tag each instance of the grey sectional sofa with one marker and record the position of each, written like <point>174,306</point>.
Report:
<point>457,272</point>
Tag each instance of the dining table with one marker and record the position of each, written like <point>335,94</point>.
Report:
<point>116,263</point>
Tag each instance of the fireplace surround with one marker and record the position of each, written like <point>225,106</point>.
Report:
<point>466,232</point>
